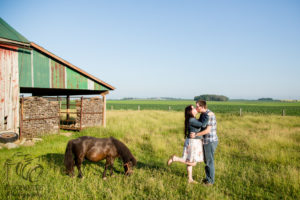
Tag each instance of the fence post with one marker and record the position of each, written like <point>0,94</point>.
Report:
<point>59,110</point>
<point>104,108</point>
<point>21,118</point>
<point>112,108</point>
<point>81,103</point>
<point>283,112</point>
<point>240,112</point>
<point>169,108</point>
<point>68,107</point>
<point>138,107</point>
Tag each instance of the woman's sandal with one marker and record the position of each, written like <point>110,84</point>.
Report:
<point>171,159</point>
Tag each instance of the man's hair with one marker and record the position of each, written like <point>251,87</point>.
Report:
<point>201,103</point>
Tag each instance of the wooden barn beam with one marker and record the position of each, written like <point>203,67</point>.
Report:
<point>58,92</point>
<point>68,107</point>
<point>15,43</point>
<point>104,108</point>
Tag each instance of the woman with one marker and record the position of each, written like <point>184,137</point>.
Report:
<point>193,147</point>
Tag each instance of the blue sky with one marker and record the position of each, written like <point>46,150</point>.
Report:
<point>175,48</point>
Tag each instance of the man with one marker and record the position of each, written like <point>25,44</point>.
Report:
<point>210,141</point>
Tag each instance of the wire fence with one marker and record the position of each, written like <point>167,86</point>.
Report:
<point>232,109</point>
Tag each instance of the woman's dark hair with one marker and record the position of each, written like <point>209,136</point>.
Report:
<point>187,115</point>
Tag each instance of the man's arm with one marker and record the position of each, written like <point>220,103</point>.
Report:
<point>204,132</point>
<point>196,124</point>
<point>204,118</point>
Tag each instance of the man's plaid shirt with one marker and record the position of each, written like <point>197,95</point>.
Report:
<point>212,136</point>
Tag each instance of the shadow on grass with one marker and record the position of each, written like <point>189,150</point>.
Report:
<point>55,162</point>
<point>152,166</point>
<point>159,167</point>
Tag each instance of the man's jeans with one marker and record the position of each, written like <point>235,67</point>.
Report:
<point>209,151</point>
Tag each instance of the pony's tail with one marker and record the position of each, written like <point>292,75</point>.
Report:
<point>69,161</point>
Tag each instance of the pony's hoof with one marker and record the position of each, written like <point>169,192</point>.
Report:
<point>104,178</point>
<point>80,176</point>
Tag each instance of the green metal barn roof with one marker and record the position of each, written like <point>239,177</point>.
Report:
<point>8,32</point>
<point>42,72</point>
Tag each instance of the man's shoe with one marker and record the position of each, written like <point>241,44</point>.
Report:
<point>208,184</point>
<point>204,180</point>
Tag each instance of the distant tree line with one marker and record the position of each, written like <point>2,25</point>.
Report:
<point>211,97</point>
<point>265,99</point>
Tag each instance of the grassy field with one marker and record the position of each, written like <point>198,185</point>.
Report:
<point>233,107</point>
<point>257,158</point>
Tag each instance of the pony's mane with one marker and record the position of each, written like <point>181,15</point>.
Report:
<point>123,151</point>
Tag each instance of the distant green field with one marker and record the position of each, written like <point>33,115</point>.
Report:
<point>233,107</point>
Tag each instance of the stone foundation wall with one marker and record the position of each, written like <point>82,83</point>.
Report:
<point>92,110</point>
<point>40,117</point>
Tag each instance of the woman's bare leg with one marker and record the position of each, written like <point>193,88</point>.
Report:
<point>180,159</point>
<point>190,174</point>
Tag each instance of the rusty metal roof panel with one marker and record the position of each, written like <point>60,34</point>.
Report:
<point>69,65</point>
<point>38,70</point>
<point>58,77</point>
<point>76,80</point>
<point>8,32</point>
<point>41,71</point>
<point>100,87</point>
<point>24,62</point>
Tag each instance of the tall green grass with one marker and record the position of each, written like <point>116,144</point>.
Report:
<point>257,158</point>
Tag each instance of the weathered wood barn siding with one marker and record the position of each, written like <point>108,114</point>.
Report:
<point>9,89</point>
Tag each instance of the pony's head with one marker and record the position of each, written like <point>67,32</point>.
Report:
<point>127,157</point>
<point>128,166</point>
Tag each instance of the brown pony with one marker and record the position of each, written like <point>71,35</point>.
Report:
<point>96,149</point>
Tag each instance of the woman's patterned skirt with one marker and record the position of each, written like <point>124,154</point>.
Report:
<point>193,150</point>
